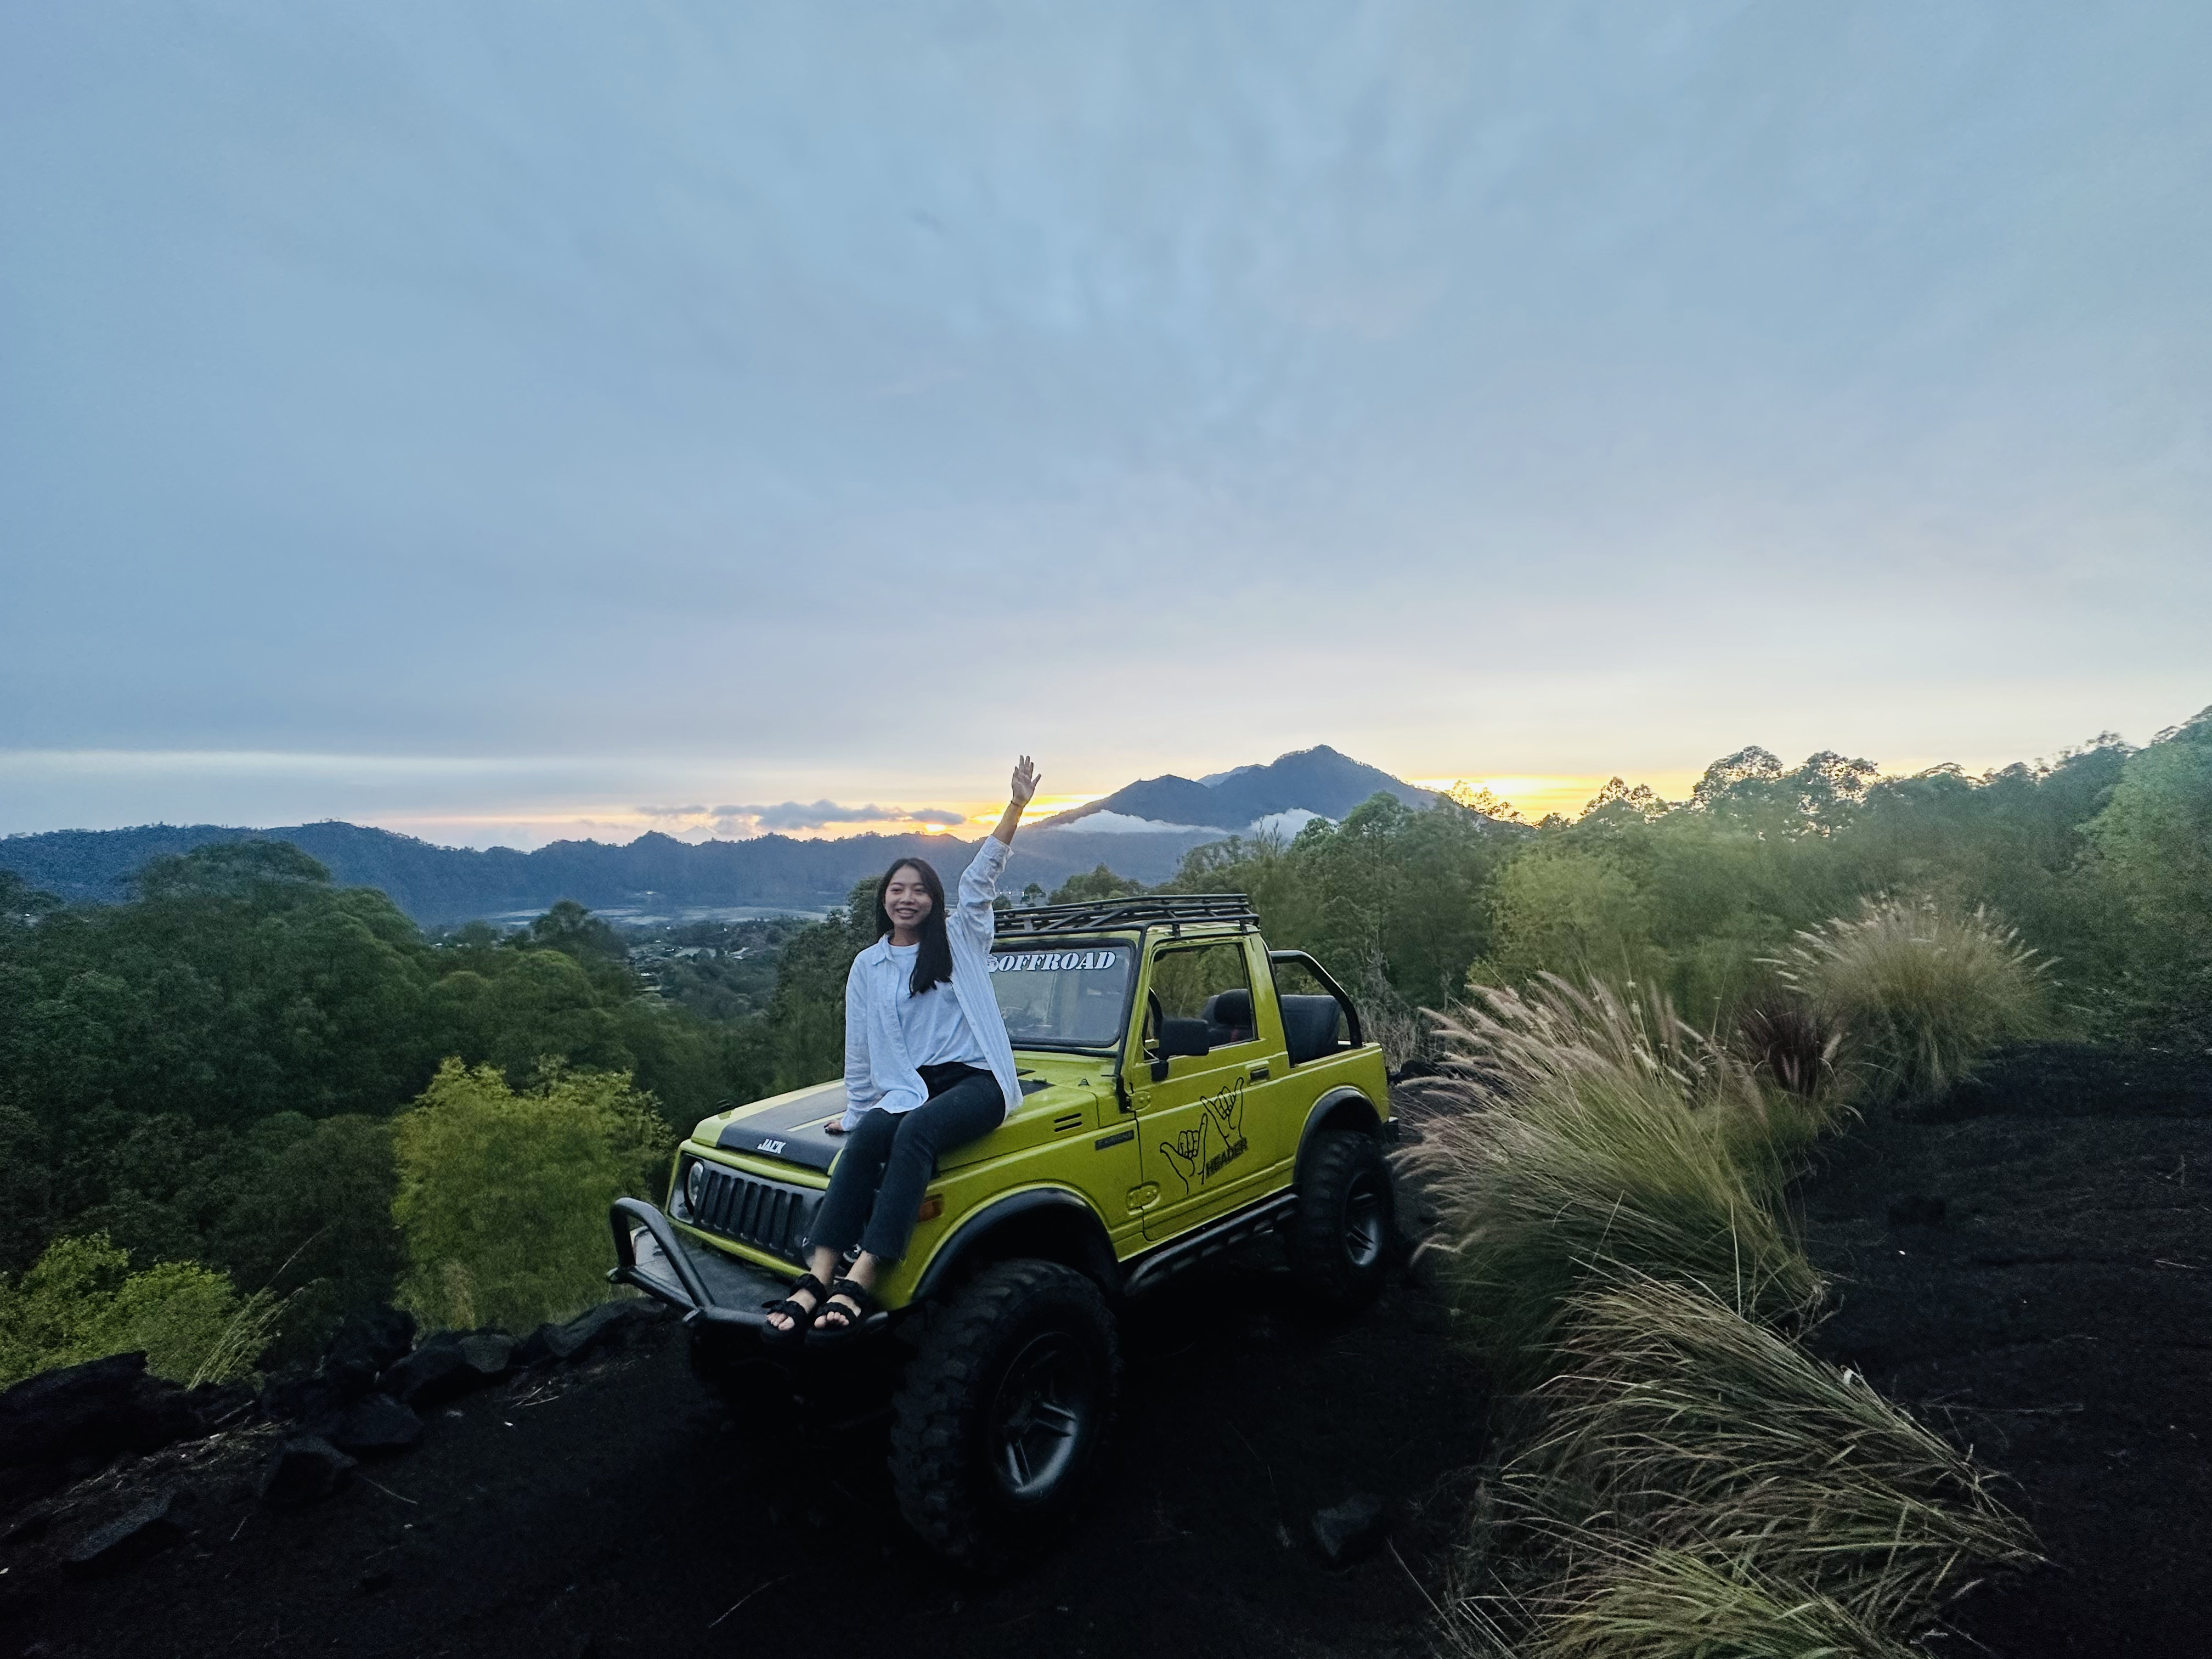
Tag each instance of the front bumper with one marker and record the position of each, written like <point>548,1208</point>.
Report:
<point>702,1284</point>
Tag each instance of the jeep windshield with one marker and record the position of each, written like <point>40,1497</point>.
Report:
<point>1064,996</point>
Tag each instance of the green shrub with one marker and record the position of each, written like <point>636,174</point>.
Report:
<point>312,1222</point>
<point>1924,991</point>
<point>80,1301</point>
<point>1601,1137</point>
<point>503,1196</point>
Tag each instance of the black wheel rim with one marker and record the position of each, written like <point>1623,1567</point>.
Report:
<point>1042,1415</point>
<point>1366,1220</point>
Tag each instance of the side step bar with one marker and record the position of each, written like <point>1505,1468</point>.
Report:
<point>1163,1264</point>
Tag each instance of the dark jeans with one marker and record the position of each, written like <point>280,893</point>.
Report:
<point>889,1156</point>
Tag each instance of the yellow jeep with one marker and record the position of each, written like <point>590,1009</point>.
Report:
<point>1185,1090</point>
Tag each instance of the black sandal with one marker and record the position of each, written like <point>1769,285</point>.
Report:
<point>799,1313</point>
<point>853,1317</point>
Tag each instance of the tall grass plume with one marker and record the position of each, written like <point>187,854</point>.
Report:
<point>1600,1135</point>
<point>1925,991</point>
<point>1679,1604</point>
<point>1678,1421</point>
<point>1680,1478</point>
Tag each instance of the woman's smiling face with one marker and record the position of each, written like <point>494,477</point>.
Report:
<point>906,898</point>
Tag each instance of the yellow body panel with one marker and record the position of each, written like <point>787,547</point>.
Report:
<point>1152,1157</point>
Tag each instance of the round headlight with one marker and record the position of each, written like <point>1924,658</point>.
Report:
<point>695,1187</point>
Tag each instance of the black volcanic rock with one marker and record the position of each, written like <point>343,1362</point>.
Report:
<point>304,1470</point>
<point>151,1527</point>
<point>92,1411</point>
<point>221,1405</point>
<point>369,1343</point>
<point>449,1363</point>
<point>602,1326</point>
<point>434,1372</point>
<point>33,1523</point>
<point>490,1354</point>
<point>1350,1530</point>
<point>297,1395</point>
<point>375,1425</point>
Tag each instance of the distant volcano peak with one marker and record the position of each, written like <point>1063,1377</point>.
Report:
<point>1319,779</point>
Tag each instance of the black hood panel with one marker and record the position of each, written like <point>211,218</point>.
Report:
<point>791,1131</point>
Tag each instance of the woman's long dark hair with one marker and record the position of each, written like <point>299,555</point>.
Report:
<point>932,963</point>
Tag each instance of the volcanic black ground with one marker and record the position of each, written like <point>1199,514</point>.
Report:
<point>2029,1267</point>
<point>622,1512</point>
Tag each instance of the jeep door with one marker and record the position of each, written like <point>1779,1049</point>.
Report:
<point>1206,1139</point>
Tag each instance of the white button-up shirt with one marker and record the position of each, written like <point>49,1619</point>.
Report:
<point>878,1070</point>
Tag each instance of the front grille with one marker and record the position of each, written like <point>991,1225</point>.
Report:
<point>766,1214</point>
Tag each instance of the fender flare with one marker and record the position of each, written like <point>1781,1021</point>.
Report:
<point>1342,1107</point>
<point>1064,1207</point>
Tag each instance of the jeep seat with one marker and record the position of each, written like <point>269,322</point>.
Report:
<point>1310,1027</point>
<point>1228,1016</point>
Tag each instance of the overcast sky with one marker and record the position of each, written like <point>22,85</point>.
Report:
<point>494,420</point>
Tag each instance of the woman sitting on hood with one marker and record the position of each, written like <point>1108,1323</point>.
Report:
<point>928,1068</point>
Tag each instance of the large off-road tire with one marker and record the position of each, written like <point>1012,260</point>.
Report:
<point>998,1423</point>
<point>1339,1239</point>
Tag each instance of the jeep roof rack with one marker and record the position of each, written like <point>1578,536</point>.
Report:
<point>1145,910</point>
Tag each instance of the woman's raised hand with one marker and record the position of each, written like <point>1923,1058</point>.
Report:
<point>1024,786</point>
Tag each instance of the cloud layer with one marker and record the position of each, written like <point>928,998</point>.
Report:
<point>835,401</point>
<point>790,815</point>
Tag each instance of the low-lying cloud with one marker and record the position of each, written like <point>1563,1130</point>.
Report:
<point>804,814</point>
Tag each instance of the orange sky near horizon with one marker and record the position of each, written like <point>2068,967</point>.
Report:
<point>1533,795</point>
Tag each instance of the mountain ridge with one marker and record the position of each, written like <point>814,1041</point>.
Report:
<point>445,884</point>
<point>1319,779</point>
<point>440,885</point>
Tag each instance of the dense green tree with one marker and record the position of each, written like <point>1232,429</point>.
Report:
<point>311,1221</point>
<point>1090,885</point>
<point>80,1300</point>
<point>2154,838</point>
<point>503,1195</point>
<point>1390,899</point>
<point>2099,858</point>
<point>203,1072</point>
<point>29,1198</point>
<point>805,1018</point>
<point>571,929</point>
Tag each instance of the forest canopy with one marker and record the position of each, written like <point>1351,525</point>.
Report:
<point>210,1071</point>
<point>216,1071</point>
<point>2102,860</point>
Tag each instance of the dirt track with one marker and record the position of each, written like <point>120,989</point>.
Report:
<point>624,1514</point>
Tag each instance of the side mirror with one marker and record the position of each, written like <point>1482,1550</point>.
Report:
<point>1179,1038</point>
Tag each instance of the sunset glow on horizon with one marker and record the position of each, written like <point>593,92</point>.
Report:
<point>1538,796</point>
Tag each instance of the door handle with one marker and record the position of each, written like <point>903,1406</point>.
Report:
<point>1259,1072</point>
